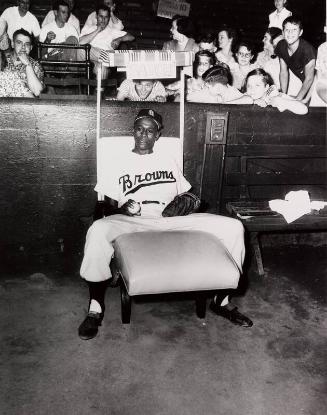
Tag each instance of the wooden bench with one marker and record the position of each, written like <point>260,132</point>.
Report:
<point>278,169</point>
<point>258,218</point>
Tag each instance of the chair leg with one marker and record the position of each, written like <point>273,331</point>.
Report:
<point>201,305</point>
<point>125,303</point>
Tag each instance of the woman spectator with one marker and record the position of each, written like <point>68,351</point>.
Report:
<point>267,59</point>
<point>203,61</point>
<point>226,40</point>
<point>244,57</point>
<point>182,32</point>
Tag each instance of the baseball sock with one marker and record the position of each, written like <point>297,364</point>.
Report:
<point>97,293</point>
<point>222,298</point>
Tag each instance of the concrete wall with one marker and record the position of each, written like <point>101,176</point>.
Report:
<point>48,160</point>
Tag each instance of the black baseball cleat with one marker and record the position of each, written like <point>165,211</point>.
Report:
<point>89,328</point>
<point>230,312</point>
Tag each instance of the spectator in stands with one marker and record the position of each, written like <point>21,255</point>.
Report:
<point>319,89</point>
<point>73,20</point>
<point>19,17</point>
<point>114,22</point>
<point>182,31</point>
<point>217,89</point>
<point>296,55</point>
<point>207,41</point>
<point>267,59</point>
<point>226,39</point>
<point>202,62</point>
<point>244,57</point>
<point>102,37</point>
<point>4,40</point>
<point>141,90</point>
<point>59,31</point>
<point>261,91</point>
<point>21,75</point>
<point>277,18</point>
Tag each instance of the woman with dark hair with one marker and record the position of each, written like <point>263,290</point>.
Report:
<point>182,31</point>
<point>227,38</point>
<point>267,59</point>
<point>245,57</point>
<point>260,90</point>
<point>203,60</point>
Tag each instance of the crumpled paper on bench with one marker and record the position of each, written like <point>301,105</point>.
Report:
<point>296,204</point>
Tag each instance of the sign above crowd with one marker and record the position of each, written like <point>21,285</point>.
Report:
<point>169,8</point>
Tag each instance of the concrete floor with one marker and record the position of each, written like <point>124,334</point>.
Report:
<point>167,361</point>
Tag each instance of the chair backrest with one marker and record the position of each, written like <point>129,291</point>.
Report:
<point>113,148</point>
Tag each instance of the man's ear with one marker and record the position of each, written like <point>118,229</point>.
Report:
<point>55,12</point>
<point>301,32</point>
<point>158,135</point>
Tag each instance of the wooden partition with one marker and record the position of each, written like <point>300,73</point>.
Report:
<point>48,163</point>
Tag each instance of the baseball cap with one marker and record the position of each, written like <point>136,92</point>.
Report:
<point>148,113</point>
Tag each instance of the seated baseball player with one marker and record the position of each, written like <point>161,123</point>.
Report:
<point>147,191</point>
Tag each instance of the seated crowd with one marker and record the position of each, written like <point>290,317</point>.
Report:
<point>223,70</point>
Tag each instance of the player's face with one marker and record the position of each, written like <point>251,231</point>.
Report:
<point>255,87</point>
<point>223,39</point>
<point>22,45</point>
<point>244,56</point>
<point>103,18</point>
<point>143,88</point>
<point>145,135</point>
<point>292,32</point>
<point>203,65</point>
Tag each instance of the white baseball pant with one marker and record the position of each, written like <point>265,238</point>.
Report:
<point>99,250</point>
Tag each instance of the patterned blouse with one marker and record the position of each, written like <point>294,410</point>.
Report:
<point>14,76</point>
<point>11,85</point>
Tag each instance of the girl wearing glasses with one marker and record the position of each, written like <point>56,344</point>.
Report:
<point>244,58</point>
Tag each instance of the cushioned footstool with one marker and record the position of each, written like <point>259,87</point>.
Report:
<point>172,261</point>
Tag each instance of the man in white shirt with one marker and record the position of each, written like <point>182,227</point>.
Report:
<point>114,22</point>
<point>73,20</point>
<point>277,18</point>
<point>102,37</point>
<point>19,17</point>
<point>59,31</point>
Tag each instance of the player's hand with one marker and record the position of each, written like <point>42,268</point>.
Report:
<point>50,36</point>
<point>131,208</point>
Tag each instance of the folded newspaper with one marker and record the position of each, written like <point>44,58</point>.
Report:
<point>296,204</point>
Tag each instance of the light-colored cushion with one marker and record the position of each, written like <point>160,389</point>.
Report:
<point>174,261</point>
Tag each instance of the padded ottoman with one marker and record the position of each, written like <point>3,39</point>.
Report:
<point>172,261</point>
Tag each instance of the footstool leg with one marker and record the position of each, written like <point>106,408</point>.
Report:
<point>125,303</point>
<point>201,305</point>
